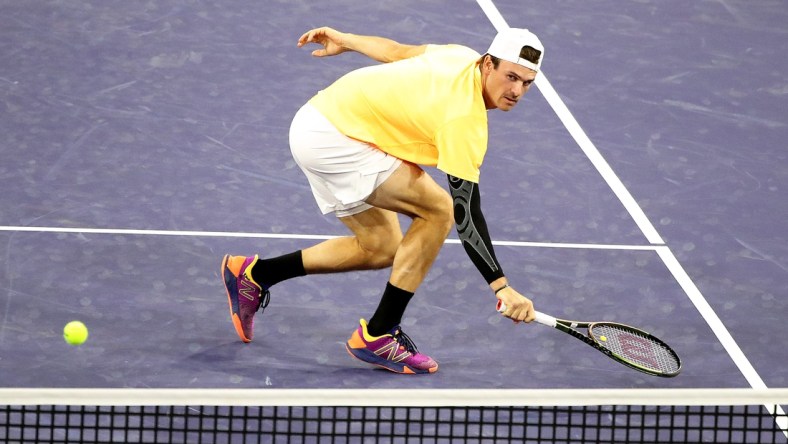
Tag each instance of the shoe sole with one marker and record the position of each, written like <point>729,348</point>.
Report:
<point>233,315</point>
<point>375,360</point>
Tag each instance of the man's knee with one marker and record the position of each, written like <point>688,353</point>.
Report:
<point>381,248</point>
<point>442,212</point>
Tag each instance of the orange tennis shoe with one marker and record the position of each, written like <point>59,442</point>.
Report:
<point>246,297</point>
<point>394,351</point>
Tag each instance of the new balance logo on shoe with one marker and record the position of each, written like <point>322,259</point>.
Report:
<point>394,351</point>
<point>247,289</point>
<point>391,349</point>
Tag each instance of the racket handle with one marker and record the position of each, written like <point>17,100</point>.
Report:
<point>541,318</point>
<point>545,319</point>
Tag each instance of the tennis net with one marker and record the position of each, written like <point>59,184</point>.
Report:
<point>393,416</point>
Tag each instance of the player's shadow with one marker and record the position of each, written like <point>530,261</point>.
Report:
<point>261,364</point>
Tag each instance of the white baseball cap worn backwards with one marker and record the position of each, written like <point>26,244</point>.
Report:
<point>508,43</point>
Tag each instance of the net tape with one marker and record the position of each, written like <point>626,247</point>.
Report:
<point>742,418</point>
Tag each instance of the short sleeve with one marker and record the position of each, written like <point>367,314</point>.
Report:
<point>462,144</point>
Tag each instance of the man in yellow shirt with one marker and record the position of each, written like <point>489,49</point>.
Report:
<point>361,143</point>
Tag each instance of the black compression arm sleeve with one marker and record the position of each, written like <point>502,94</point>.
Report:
<point>472,228</point>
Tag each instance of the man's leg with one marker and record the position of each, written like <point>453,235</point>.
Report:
<point>409,191</point>
<point>377,235</point>
<point>412,192</point>
<point>247,279</point>
<point>378,241</point>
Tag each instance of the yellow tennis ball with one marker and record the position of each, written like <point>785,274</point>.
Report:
<point>75,333</point>
<point>603,338</point>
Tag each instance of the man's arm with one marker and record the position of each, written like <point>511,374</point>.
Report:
<point>472,230</point>
<point>377,48</point>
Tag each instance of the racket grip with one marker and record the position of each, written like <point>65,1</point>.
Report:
<point>541,318</point>
<point>545,319</point>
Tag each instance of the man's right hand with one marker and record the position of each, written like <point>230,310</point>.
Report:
<point>331,39</point>
<point>518,307</point>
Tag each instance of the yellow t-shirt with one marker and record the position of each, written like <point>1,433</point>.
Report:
<point>427,109</point>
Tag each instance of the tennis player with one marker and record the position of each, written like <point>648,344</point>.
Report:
<point>362,143</point>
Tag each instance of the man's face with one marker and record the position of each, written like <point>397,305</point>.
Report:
<point>504,87</point>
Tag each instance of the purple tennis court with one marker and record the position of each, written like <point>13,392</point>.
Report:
<point>641,182</point>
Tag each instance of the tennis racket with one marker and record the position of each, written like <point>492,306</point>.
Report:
<point>630,346</point>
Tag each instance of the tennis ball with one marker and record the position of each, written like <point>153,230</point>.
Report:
<point>603,338</point>
<point>75,333</point>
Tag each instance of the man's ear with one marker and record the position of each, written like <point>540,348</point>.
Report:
<point>487,64</point>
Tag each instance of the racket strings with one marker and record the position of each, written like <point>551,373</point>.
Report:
<point>637,347</point>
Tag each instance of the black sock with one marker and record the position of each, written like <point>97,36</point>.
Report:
<point>268,272</point>
<point>389,313</point>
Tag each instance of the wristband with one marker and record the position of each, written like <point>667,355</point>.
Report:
<point>504,286</point>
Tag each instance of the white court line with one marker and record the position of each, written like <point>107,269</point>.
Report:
<point>124,231</point>
<point>719,329</point>
<point>582,139</point>
<point>588,147</point>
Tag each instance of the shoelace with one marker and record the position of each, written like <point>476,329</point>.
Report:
<point>405,341</point>
<point>265,298</point>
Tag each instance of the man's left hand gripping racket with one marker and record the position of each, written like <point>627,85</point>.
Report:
<point>630,346</point>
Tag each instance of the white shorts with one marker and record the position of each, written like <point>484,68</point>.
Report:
<point>342,172</point>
